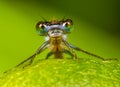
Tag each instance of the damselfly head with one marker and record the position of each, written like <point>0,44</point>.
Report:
<point>54,28</point>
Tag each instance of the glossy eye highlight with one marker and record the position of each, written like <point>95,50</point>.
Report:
<point>68,25</point>
<point>41,28</point>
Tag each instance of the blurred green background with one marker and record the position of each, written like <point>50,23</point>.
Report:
<point>96,27</point>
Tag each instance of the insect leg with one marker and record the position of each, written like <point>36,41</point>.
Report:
<point>68,52</point>
<point>31,58</point>
<point>70,48</point>
<point>49,54</point>
<point>89,53</point>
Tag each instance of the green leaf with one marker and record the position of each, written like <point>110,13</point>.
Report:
<point>64,73</point>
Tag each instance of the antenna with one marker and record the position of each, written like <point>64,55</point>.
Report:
<point>64,18</point>
<point>43,18</point>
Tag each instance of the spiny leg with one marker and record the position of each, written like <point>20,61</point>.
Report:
<point>49,54</point>
<point>89,53</point>
<point>68,52</point>
<point>31,58</point>
<point>70,48</point>
<point>64,51</point>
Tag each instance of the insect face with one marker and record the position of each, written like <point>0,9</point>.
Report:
<point>54,28</point>
<point>55,32</point>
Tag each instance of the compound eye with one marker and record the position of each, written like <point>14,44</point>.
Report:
<point>41,28</point>
<point>68,25</point>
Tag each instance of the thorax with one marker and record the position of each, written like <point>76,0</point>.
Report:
<point>56,43</point>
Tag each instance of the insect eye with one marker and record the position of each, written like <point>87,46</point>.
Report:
<point>68,25</point>
<point>41,28</point>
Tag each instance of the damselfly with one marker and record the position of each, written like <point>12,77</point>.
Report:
<point>56,39</point>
